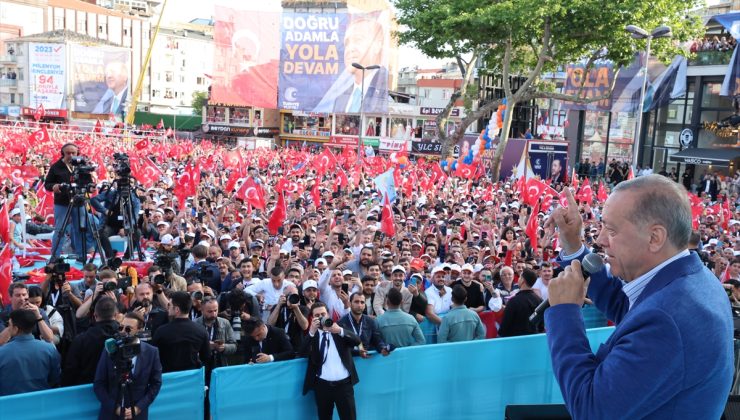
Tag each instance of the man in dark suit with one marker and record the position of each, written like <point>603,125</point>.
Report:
<point>331,371</point>
<point>183,344</point>
<point>266,343</point>
<point>145,381</point>
<point>116,80</point>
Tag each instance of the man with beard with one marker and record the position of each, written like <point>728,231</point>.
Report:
<point>86,347</point>
<point>220,334</point>
<point>360,267</point>
<point>398,275</point>
<point>290,317</point>
<point>295,234</point>
<point>364,326</point>
<point>153,315</point>
<point>368,290</point>
<point>439,296</point>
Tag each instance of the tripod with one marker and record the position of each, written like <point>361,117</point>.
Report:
<point>123,368</point>
<point>80,201</point>
<point>124,204</point>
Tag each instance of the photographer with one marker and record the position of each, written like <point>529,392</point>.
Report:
<point>145,383</point>
<point>60,172</point>
<point>238,307</point>
<point>79,366</point>
<point>205,271</point>
<point>107,286</point>
<point>56,288</point>
<point>290,316</point>
<point>144,305</point>
<point>111,223</point>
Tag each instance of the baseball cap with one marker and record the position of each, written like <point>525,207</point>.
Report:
<point>328,254</point>
<point>468,267</point>
<point>319,261</point>
<point>225,238</point>
<point>162,223</point>
<point>417,264</point>
<point>167,239</point>
<point>234,244</point>
<point>347,273</point>
<point>309,284</point>
<point>14,212</point>
<point>455,267</point>
<point>437,269</point>
<point>398,268</point>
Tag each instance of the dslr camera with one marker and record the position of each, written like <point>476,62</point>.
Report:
<point>326,322</point>
<point>294,299</point>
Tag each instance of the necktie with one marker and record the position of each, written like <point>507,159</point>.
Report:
<point>114,105</point>
<point>323,349</point>
<point>354,105</point>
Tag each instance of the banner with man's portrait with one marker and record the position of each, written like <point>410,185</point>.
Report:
<point>100,79</point>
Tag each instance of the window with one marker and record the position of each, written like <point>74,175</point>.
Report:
<point>168,94</point>
<point>317,126</point>
<point>239,115</point>
<point>168,76</point>
<point>400,128</point>
<point>182,79</point>
<point>12,98</point>
<point>348,125</point>
<point>20,74</point>
<point>199,80</point>
<point>82,26</point>
<point>155,93</point>
<point>59,22</point>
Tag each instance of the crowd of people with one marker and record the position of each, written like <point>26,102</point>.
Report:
<point>713,43</point>
<point>252,254</point>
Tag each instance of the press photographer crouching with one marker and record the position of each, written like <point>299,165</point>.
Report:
<point>129,373</point>
<point>238,307</point>
<point>168,264</point>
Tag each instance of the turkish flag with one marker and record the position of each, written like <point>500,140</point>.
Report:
<point>602,195</point>
<point>142,145</point>
<point>252,193</point>
<point>532,226</point>
<point>465,171</point>
<point>585,193</point>
<point>278,215</point>
<point>386,219</point>
<point>342,180</point>
<point>316,194</point>
<point>563,200</point>
<point>45,204</point>
<point>98,127</point>
<point>438,175</point>
<point>183,187</point>
<point>323,162</point>
<point>101,171</point>
<point>534,190</point>
<point>145,171</point>
<point>22,174</point>
<point>5,224</point>
<point>160,124</point>
<point>39,113</point>
<point>234,176</point>
<point>6,273</point>
<point>39,136</point>
<point>547,196</point>
<point>697,209</point>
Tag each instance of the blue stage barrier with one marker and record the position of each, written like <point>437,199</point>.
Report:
<point>182,396</point>
<point>470,380</point>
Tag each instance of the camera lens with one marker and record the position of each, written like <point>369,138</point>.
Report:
<point>198,295</point>
<point>294,299</point>
<point>159,279</point>
<point>110,286</point>
<point>327,322</point>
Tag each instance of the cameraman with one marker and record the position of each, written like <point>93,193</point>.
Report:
<point>111,223</point>
<point>205,271</point>
<point>170,280</point>
<point>60,172</point>
<point>145,383</point>
<point>107,286</point>
<point>153,316</point>
<point>56,286</point>
<point>290,316</point>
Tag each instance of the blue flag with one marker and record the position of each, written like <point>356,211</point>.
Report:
<point>385,185</point>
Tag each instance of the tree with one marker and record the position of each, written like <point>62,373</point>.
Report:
<point>200,99</point>
<point>528,38</point>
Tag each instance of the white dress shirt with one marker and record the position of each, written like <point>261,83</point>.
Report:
<point>441,304</point>
<point>333,369</point>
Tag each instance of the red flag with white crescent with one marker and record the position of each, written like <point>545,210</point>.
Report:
<point>601,195</point>
<point>585,193</point>
<point>6,272</point>
<point>386,219</point>
<point>532,226</point>
<point>277,218</point>
<point>39,113</point>
<point>252,193</point>
<point>316,194</point>
<point>533,191</point>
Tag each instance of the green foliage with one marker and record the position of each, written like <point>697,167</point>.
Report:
<point>200,99</point>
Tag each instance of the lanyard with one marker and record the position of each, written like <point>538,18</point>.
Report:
<point>352,323</point>
<point>210,332</point>
<point>54,297</point>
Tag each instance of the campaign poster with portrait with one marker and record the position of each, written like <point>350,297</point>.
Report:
<point>247,57</point>
<point>100,78</point>
<point>47,74</point>
<point>317,56</point>
<point>549,160</point>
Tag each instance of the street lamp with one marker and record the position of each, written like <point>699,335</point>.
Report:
<point>639,33</point>
<point>362,104</point>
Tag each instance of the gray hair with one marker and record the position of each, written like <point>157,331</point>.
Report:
<point>661,201</point>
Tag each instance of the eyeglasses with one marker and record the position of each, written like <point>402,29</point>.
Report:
<point>125,328</point>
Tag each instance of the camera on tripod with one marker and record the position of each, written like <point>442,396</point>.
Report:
<point>58,269</point>
<point>123,347</point>
<point>122,167</point>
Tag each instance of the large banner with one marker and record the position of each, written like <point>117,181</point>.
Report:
<point>549,159</point>
<point>593,84</point>
<point>317,56</point>
<point>47,75</point>
<point>246,58</point>
<point>100,79</point>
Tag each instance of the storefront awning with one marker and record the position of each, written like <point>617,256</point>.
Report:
<point>706,156</point>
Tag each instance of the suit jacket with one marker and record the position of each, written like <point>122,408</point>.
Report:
<point>670,356</point>
<point>340,93</point>
<point>275,344</point>
<point>311,347</point>
<point>146,382</point>
<point>103,106</point>
<point>183,345</point>
<point>369,333</point>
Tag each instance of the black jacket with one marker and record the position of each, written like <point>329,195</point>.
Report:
<point>58,174</point>
<point>84,352</point>
<point>275,344</point>
<point>183,345</point>
<point>516,315</point>
<point>212,277</point>
<point>310,349</point>
<point>369,332</point>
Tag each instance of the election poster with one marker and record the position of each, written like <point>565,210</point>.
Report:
<point>247,57</point>
<point>47,74</point>
<point>100,78</point>
<point>549,160</point>
<point>322,58</point>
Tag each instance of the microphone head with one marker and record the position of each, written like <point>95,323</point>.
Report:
<point>592,263</point>
<point>111,346</point>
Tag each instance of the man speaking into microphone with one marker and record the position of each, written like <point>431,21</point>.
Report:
<point>671,353</point>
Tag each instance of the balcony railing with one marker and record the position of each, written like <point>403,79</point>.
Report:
<point>711,58</point>
<point>8,82</point>
<point>8,58</point>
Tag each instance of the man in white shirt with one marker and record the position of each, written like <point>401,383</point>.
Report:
<point>540,286</point>
<point>439,296</point>
<point>270,289</point>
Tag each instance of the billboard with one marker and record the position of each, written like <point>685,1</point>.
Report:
<point>317,56</point>
<point>549,160</point>
<point>100,78</point>
<point>47,74</point>
<point>246,58</point>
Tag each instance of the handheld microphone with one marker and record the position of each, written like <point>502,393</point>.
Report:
<point>591,264</point>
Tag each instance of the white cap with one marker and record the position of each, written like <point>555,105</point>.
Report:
<point>468,267</point>
<point>167,239</point>
<point>478,268</point>
<point>234,244</point>
<point>162,222</point>
<point>347,273</point>
<point>309,284</point>
<point>328,254</point>
<point>398,268</point>
<point>319,261</point>
<point>455,267</point>
<point>225,238</point>
<point>14,212</point>
<point>437,269</point>
<point>713,241</point>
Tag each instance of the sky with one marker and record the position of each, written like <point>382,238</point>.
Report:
<point>187,10</point>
